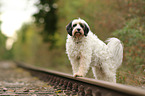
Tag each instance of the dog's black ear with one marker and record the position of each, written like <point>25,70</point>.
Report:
<point>69,28</point>
<point>86,30</point>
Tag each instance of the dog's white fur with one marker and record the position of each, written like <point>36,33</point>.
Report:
<point>90,51</point>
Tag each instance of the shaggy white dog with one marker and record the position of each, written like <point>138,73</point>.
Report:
<point>86,50</point>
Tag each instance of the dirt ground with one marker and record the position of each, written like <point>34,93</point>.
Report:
<point>16,81</point>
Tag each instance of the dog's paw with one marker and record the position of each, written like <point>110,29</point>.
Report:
<point>77,75</point>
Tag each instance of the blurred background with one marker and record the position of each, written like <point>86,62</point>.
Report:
<point>33,31</point>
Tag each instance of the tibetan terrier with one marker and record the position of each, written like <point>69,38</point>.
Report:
<point>86,50</point>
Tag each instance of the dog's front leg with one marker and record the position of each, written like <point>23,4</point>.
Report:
<point>83,66</point>
<point>75,65</point>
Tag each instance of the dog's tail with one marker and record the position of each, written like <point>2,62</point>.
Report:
<point>116,48</point>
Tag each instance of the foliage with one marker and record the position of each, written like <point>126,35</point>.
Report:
<point>132,36</point>
<point>27,43</point>
<point>4,54</point>
<point>2,43</point>
<point>47,18</point>
<point>30,48</point>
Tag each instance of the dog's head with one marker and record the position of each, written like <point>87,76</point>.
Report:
<point>77,28</point>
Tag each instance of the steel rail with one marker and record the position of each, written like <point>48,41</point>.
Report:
<point>85,86</point>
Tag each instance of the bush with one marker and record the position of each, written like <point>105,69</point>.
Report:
<point>132,36</point>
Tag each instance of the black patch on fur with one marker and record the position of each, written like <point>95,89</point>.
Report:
<point>82,25</point>
<point>69,28</point>
<point>86,30</point>
<point>74,25</point>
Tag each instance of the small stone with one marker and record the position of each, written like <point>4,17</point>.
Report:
<point>5,89</point>
<point>27,90</point>
<point>32,91</point>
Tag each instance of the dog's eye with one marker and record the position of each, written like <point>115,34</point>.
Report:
<point>74,25</point>
<point>81,25</point>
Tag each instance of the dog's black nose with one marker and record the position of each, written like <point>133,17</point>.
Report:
<point>78,29</point>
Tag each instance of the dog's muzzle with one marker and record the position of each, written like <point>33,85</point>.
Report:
<point>77,34</point>
<point>78,31</point>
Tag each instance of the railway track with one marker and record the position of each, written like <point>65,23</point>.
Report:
<point>80,86</point>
